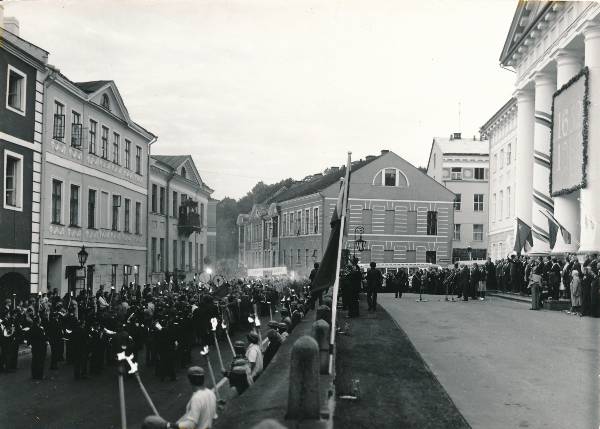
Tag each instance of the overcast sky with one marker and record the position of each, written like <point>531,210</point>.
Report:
<point>269,89</point>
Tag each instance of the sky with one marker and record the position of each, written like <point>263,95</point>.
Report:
<point>269,89</point>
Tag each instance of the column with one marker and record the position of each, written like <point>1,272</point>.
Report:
<point>590,202</point>
<point>566,207</point>
<point>524,161</point>
<point>545,86</point>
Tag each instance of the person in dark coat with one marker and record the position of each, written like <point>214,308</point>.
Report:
<point>490,278</point>
<point>586,292</point>
<point>595,290</point>
<point>355,286</point>
<point>474,281</point>
<point>80,343</point>
<point>374,282</point>
<point>166,346</point>
<point>554,280</point>
<point>463,283</point>
<point>55,337</point>
<point>38,341</point>
<point>515,274</point>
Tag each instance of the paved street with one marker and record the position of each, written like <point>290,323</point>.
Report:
<point>503,365</point>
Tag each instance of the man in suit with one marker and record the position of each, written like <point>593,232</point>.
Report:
<point>374,282</point>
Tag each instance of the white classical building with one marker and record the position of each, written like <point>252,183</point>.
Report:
<point>462,166</point>
<point>548,45</point>
<point>501,133</point>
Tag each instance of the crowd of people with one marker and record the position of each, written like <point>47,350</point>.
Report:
<point>163,320</point>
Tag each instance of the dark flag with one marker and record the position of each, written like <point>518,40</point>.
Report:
<point>524,236</point>
<point>553,227</point>
<point>327,272</point>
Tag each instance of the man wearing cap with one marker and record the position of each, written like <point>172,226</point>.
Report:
<point>254,356</point>
<point>202,406</point>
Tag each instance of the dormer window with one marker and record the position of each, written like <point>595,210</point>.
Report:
<point>390,177</point>
<point>183,173</point>
<point>105,102</point>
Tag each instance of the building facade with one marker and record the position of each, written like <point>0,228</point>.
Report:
<point>550,45</point>
<point>405,216</point>
<point>182,219</point>
<point>95,181</point>
<point>462,165</point>
<point>501,133</point>
<point>22,75</point>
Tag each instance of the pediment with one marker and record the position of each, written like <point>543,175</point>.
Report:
<point>526,14</point>
<point>110,93</point>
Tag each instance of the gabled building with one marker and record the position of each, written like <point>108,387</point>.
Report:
<point>405,217</point>
<point>462,166</point>
<point>182,220</point>
<point>22,76</point>
<point>95,186</point>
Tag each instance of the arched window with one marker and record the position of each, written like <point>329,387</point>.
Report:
<point>183,173</point>
<point>105,102</point>
<point>390,177</point>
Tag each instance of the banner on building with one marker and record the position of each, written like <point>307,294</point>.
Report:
<point>568,145</point>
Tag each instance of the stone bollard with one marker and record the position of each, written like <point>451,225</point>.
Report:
<point>320,332</point>
<point>324,313</point>
<point>304,396</point>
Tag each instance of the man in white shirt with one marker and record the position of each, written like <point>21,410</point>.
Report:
<point>202,406</point>
<point>254,355</point>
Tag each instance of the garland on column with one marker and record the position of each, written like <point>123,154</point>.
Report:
<point>586,102</point>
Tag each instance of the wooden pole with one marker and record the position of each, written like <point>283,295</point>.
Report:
<point>145,392</point>
<point>122,402</point>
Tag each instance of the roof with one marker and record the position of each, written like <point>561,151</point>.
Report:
<point>91,86</point>
<point>462,146</point>
<point>300,189</point>
<point>172,161</point>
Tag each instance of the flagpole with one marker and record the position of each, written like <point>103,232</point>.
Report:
<point>336,284</point>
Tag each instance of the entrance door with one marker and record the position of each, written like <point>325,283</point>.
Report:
<point>54,273</point>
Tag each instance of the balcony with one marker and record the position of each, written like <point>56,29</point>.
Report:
<point>189,220</point>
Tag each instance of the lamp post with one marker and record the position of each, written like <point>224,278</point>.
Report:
<point>82,256</point>
<point>360,243</point>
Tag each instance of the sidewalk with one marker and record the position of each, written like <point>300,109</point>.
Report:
<point>397,389</point>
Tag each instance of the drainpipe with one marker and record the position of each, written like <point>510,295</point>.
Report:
<point>148,265</point>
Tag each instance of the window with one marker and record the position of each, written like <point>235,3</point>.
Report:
<point>115,212</point>
<point>16,95</point>
<point>478,202</point>
<point>56,201</point>
<point>105,102</point>
<point>190,256</point>
<point>116,144</point>
<point>477,232</point>
<point>430,256</point>
<point>74,206</point>
<point>431,223</point>
<point>76,129</point>
<point>91,208</point>
<point>390,177</point>
<point>275,231</point>
<point>501,158</point>
<point>196,264</point>
<point>456,173</point>
<point>138,216</point>
<point>307,222</point>
<point>508,153</point>
<point>153,255</point>
<point>500,204</point>
<point>201,257</point>
<point>175,205</point>
<point>479,174</point>
<point>508,202</point>
<point>104,149</point>
<point>161,201</point>
<point>161,255</point>
<point>202,214</point>
<point>182,264</point>
<point>298,258</point>
<point>93,130</point>
<point>127,210</point>
<point>284,226</point>
<point>183,173</point>
<point>174,255</point>
<point>494,206</point>
<point>154,197</point>
<point>291,230</point>
<point>316,220</point>
<point>456,236</point>
<point>495,164</point>
<point>298,225</point>
<point>138,160</point>
<point>127,154</point>
<point>434,159</point>
<point>13,181</point>
<point>58,131</point>
<point>457,202</point>
<point>113,275</point>
<point>306,258</point>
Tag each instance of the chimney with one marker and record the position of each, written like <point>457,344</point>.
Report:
<point>370,158</point>
<point>384,151</point>
<point>456,136</point>
<point>335,169</point>
<point>11,24</point>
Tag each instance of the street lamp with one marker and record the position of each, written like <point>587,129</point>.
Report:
<point>360,243</point>
<point>82,256</point>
